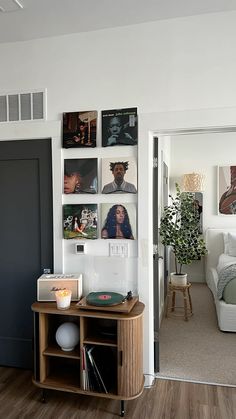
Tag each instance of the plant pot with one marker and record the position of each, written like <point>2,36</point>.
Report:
<point>178,279</point>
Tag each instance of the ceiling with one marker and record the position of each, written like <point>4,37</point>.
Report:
<point>45,18</point>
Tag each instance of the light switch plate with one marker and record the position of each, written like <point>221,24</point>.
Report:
<point>118,249</point>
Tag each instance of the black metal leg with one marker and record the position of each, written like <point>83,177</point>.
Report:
<point>122,408</point>
<point>43,398</point>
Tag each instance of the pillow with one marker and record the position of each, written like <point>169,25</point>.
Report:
<point>232,244</point>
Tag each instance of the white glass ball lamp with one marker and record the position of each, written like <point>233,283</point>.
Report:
<point>67,336</point>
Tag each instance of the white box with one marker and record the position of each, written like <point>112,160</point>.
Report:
<point>47,284</point>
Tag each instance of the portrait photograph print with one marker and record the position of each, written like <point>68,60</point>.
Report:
<point>118,221</point>
<point>227,190</point>
<point>119,175</point>
<point>79,129</point>
<point>119,127</point>
<point>80,176</point>
<point>80,221</point>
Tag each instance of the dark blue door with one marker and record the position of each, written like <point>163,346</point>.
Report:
<point>26,241</point>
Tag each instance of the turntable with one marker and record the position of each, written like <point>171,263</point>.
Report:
<point>108,301</point>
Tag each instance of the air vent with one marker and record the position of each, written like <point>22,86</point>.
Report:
<point>23,106</point>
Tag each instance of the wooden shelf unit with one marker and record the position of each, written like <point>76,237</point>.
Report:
<point>119,333</point>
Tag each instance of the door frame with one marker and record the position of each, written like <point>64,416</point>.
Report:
<point>164,125</point>
<point>40,130</point>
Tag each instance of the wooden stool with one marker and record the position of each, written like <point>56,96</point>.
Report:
<point>188,309</point>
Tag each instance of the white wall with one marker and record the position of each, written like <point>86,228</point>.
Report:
<point>185,63</point>
<point>202,153</point>
<point>163,68</point>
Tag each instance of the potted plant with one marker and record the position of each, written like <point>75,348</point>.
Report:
<point>179,229</point>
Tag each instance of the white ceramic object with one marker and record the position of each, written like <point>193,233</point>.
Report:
<point>67,336</point>
<point>178,279</point>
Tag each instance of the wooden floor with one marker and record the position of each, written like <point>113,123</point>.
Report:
<point>20,399</point>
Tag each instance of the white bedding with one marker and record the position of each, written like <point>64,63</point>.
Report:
<point>216,258</point>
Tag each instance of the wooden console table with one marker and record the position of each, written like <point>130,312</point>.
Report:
<point>107,332</point>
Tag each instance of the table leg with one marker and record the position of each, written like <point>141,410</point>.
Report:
<point>173,301</point>
<point>185,306</point>
<point>190,302</point>
<point>167,302</point>
<point>122,408</point>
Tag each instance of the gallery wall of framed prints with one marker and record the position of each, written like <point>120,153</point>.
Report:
<point>100,185</point>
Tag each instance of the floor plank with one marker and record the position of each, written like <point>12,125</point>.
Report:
<point>167,399</point>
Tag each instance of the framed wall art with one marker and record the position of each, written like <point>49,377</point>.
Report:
<point>80,221</point>
<point>80,176</point>
<point>79,129</point>
<point>119,175</point>
<point>119,127</point>
<point>226,192</point>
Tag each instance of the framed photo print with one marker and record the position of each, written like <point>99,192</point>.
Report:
<point>227,190</point>
<point>80,176</point>
<point>118,221</point>
<point>80,221</point>
<point>119,175</point>
<point>119,127</point>
<point>79,129</point>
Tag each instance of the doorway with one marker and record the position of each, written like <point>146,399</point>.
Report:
<point>192,146</point>
<point>26,241</point>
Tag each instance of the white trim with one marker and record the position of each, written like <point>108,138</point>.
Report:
<point>159,125</point>
<point>193,381</point>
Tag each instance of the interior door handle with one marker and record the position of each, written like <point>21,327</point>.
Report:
<point>157,256</point>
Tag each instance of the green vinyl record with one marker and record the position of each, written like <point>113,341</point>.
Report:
<point>104,298</point>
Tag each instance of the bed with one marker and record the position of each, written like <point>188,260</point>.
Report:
<point>218,260</point>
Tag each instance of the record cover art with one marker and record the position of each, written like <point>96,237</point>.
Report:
<point>118,221</point>
<point>119,127</point>
<point>79,129</point>
<point>119,175</point>
<point>80,221</point>
<point>80,176</point>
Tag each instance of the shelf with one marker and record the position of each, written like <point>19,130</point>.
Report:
<point>56,351</point>
<point>62,372</point>
<point>62,382</point>
<point>100,341</point>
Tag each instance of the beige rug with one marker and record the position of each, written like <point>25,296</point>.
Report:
<point>197,350</point>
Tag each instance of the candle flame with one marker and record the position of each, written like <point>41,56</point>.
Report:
<point>63,293</point>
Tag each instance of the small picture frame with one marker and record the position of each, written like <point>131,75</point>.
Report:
<point>118,221</point>
<point>226,190</point>
<point>79,129</point>
<point>119,175</point>
<point>119,127</point>
<point>80,176</point>
<point>80,221</point>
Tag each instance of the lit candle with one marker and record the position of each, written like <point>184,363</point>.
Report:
<point>63,298</point>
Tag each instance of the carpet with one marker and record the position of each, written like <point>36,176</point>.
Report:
<point>196,350</point>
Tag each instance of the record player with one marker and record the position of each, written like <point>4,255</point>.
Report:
<point>108,301</point>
